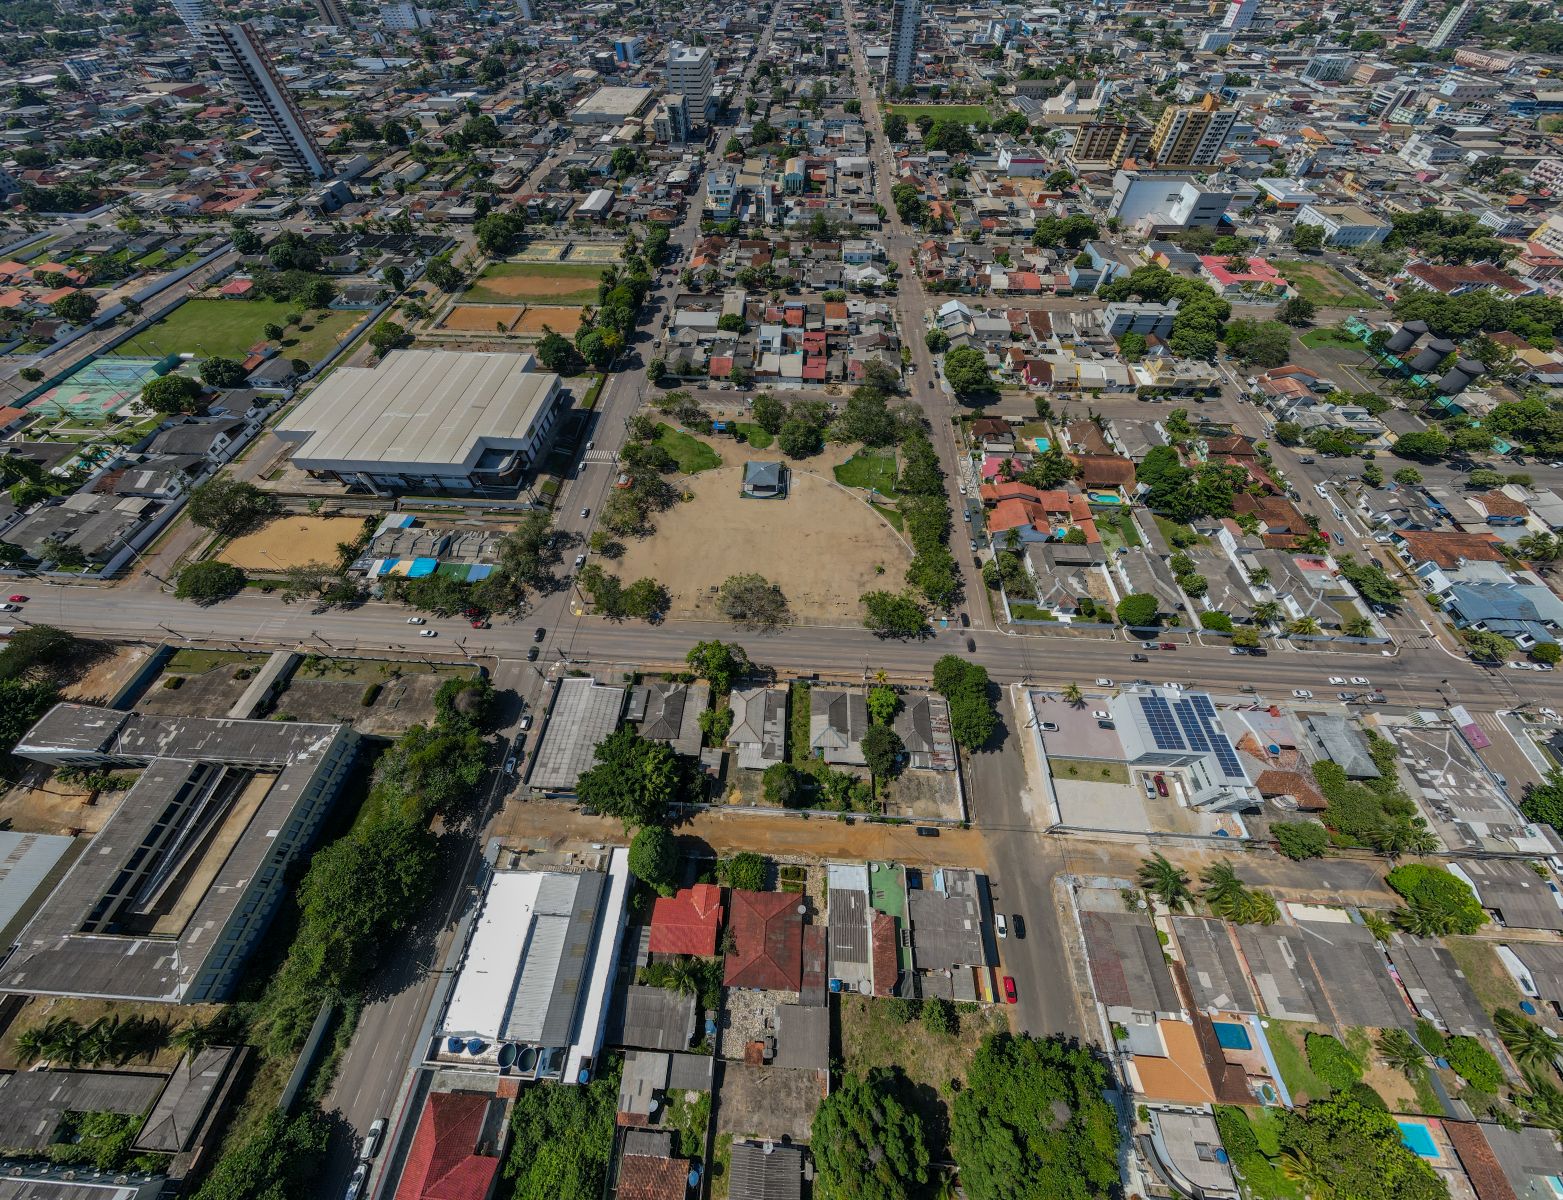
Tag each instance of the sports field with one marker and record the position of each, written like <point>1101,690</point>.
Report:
<point>291,541</point>
<point>594,252</point>
<point>228,328</point>
<point>99,388</point>
<point>557,283</point>
<point>541,252</point>
<point>1325,286</point>
<point>964,113</point>
<point>514,318</point>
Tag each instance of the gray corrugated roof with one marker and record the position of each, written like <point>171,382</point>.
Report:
<point>584,713</point>
<point>769,1172</point>
<point>549,991</point>
<point>32,1103</point>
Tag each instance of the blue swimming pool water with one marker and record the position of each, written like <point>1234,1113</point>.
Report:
<point>1418,1138</point>
<point>1232,1036</point>
<point>1042,444</point>
<point>1105,498</point>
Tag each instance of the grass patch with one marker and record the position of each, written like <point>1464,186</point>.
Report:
<point>965,113</point>
<point>542,283</point>
<point>687,1119</point>
<point>370,670</point>
<point>198,662</point>
<point>691,454</point>
<point>1427,1101</point>
<point>754,436</point>
<point>1178,535</point>
<point>593,392</point>
<point>1117,528</point>
<point>228,328</point>
<point>1286,1043</point>
<point>1318,339</point>
<point>869,470</point>
<point>1261,1175</point>
<point>1088,772</point>
<point>1024,610</point>
<point>871,1036</point>
<point>893,515</point>
<point>1323,285</point>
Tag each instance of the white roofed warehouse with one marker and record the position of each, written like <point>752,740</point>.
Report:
<point>427,421</point>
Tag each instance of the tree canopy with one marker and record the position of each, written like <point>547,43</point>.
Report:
<point>868,1142</point>
<point>634,779</point>
<point>1032,1122</point>
<point>965,686</point>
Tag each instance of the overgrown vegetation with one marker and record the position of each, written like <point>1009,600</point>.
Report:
<point>1375,813</point>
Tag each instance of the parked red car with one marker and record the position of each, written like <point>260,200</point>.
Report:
<point>1009,990</point>
<point>18,599</point>
<point>1169,645</point>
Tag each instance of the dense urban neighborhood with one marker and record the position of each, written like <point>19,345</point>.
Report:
<point>827,600</point>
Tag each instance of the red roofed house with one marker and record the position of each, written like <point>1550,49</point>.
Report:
<point>236,288</point>
<point>651,1177</point>
<point>449,1160</point>
<point>768,936</point>
<point>687,923</point>
<point>1260,275</point>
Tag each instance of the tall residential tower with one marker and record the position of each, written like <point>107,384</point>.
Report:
<point>903,40</point>
<point>1452,28</point>
<point>249,74</point>
<point>1192,135</point>
<point>691,73</point>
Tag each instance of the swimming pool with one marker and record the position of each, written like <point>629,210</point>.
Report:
<point>1418,1138</point>
<point>1105,498</point>
<point>1232,1035</point>
<point>1042,444</point>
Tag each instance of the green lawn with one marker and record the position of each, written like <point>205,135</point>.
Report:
<point>868,469</point>
<point>1085,771</point>
<point>593,392</point>
<point>228,328</point>
<point>1323,285</point>
<point>965,113</point>
<point>691,454</point>
<point>893,515</point>
<point>536,283</point>
<point>1262,1177</point>
<point>1116,528</point>
<point>756,437</point>
<point>1317,339</point>
<point>1172,530</point>
<point>1286,1043</point>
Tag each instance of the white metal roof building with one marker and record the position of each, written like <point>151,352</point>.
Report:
<point>537,968</point>
<point>1161,727</point>
<point>427,420</point>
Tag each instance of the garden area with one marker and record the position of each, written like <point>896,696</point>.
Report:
<point>966,114</point>
<point>690,453</point>
<point>228,328</point>
<point>869,470</point>
<point>1331,336</point>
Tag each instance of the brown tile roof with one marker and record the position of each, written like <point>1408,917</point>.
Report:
<point>1449,548</point>
<point>644,1177</point>
<point>1480,1163</point>
<point>1291,783</point>
<point>768,932</point>
<point>1104,470</point>
<point>1499,505</point>
<point>887,968</point>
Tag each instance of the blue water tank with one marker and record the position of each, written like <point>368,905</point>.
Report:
<point>1527,1008</point>
<point>474,1045</point>
<point>454,1044</point>
<point>835,985</point>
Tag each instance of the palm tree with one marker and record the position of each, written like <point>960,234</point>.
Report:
<point>1314,1180</point>
<point>1533,1046</point>
<point>43,1041</point>
<point>1400,1050</point>
<point>1267,612</point>
<point>1358,627</point>
<point>1378,925</point>
<point>1543,1104</point>
<point>1167,883</point>
<point>1305,627</point>
<point>1073,694</point>
<point>1223,892</point>
<point>1258,908</point>
<point>104,1041</point>
<point>1259,576</point>
<point>684,975</point>
<point>69,1045</point>
<point>1404,835</point>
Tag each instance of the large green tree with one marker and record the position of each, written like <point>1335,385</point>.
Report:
<point>230,506</point>
<point>208,581</point>
<point>1358,1149</point>
<point>634,779</point>
<point>965,686</point>
<point>1032,1122</point>
<point>967,370</point>
<point>868,1141</point>
<point>562,1139</point>
<point>654,857</point>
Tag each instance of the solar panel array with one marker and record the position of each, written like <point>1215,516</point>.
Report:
<point>1225,755</point>
<point>1163,728</point>
<point>1190,724</point>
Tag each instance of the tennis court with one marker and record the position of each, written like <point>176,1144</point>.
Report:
<point>594,252</point>
<point>101,387</point>
<point>540,252</point>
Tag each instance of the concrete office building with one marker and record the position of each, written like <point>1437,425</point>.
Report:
<point>249,74</point>
<point>1192,135</point>
<point>1328,68</point>
<point>1169,201</point>
<point>904,19</point>
<point>1452,28</point>
<point>1344,224</point>
<point>691,73</point>
<point>177,888</point>
<point>612,106</point>
<point>333,12</point>
<point>627,50</point>
<point>1409,10</point>
<point>524,9</point>
<point>1239,15</point>
<point>427,420</point>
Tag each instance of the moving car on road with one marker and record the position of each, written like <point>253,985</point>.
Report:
<point>428,633</point>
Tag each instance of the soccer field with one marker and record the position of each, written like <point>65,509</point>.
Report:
<point>553,283</point>
<point>228,328</point>
<point>964,113</point>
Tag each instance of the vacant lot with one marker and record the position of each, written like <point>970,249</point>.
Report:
<point>400,694</point>
<point>291,540</point>
<point>1339,339</point>
<point>965,113</point>
<point>821,544</point>
<point>871,1037</point>
<point>561,318</point>
<point>228,328</point>
<point>562,283</point>
<point>691,454</point>
<point>1324,285</point>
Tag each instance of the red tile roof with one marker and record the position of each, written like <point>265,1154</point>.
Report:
<point>688,922</point>
<point>1480,1163</point>
<point>442,1164</point>
<point>643,1177</point>
<point>887,969</point>
<point>1448,548</point>
<point>768,934</point>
